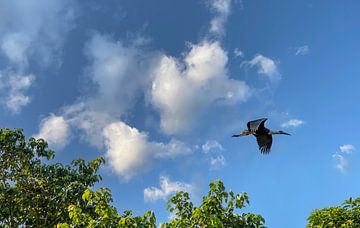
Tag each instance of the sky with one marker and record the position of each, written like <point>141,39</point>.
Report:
<point>158,87</point>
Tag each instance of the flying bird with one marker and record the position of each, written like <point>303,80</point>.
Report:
<point>262,134</point>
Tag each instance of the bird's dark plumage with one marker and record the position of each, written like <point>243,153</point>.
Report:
<point>255,125</point>
<point>262,134</point>
<point>264,142</point>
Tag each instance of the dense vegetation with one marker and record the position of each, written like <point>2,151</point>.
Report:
<point>35,193</point>
<point>346,215</point>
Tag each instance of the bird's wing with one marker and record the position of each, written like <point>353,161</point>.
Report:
<point>264,142</point>
<point>254,125</point>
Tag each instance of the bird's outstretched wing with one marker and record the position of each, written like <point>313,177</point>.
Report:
<point>254,125</point>
<point>264,142</point>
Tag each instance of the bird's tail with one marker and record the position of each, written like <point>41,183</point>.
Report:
<point>235,135</point>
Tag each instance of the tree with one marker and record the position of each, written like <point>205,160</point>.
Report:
<point>33,193</point>
<point>217,210</point>
<point>346,215</point>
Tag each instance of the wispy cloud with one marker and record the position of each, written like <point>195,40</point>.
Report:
<point>119,73</point>
<point>213,150</point>
<point>16,86</point>
<point>238,53</point>
<point>347,148</point>
<point>217,162</point>
<point>222,10</point>
<point>342,164</point>
<point>303,50</point>
<point>293,123</point>
<point>30,31</point>
<point>167,188</point>
<point>211,145</point>
<point>266,67</point>
<point>341,157</point>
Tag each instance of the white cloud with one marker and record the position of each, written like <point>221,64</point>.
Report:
<point>293,123</point>
<point>130,151</point>
<point>167,188</point>
<point>127,149</point>
<point>55,130</point>
<point>120,73</point>
<point>34,28</point>
<point>170,150</point>
<point>89,122</point>
<point>12,88</point>
<point>238,53</point>
<point>222,10</point>
<point>14,102</point>
<point>343,163</point>
<point>211,145</point>
<point>303,50</point>
<point>266,67</point>
<point>14,47</point>
<point>217,162</point>
<point>347,148</point>
<point>181,93</point>
<point>30,31</point>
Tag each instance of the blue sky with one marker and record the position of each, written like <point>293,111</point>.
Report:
<point>158,88</point>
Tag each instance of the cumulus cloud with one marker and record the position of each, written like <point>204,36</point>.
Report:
<point>303,50</point>
<point>30,31</point>
<point>266,67</point>
<point>217,162</point>
<point>222,10</point>
<point>130,151</point>
<point>120,74</point>
<point>55,130</point>
<point>211,145</point>
<point>127,149</point>
<point>181,92</point>
<point>167,188</point>
<point>293,123</point>
<point>342,157</point>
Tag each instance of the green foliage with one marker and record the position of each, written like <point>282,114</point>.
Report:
<point>346,215</point>
<point>94,210</point>
<point>36,194</point>
<point>217,210</point>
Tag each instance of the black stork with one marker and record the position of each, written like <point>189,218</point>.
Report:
<point>262,134</point>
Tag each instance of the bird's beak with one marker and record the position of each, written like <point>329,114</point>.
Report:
<point>285,133</point>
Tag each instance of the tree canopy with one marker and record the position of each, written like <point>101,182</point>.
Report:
<point>38,194</point>
<point>346,215</point>
<point>217,210</point>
